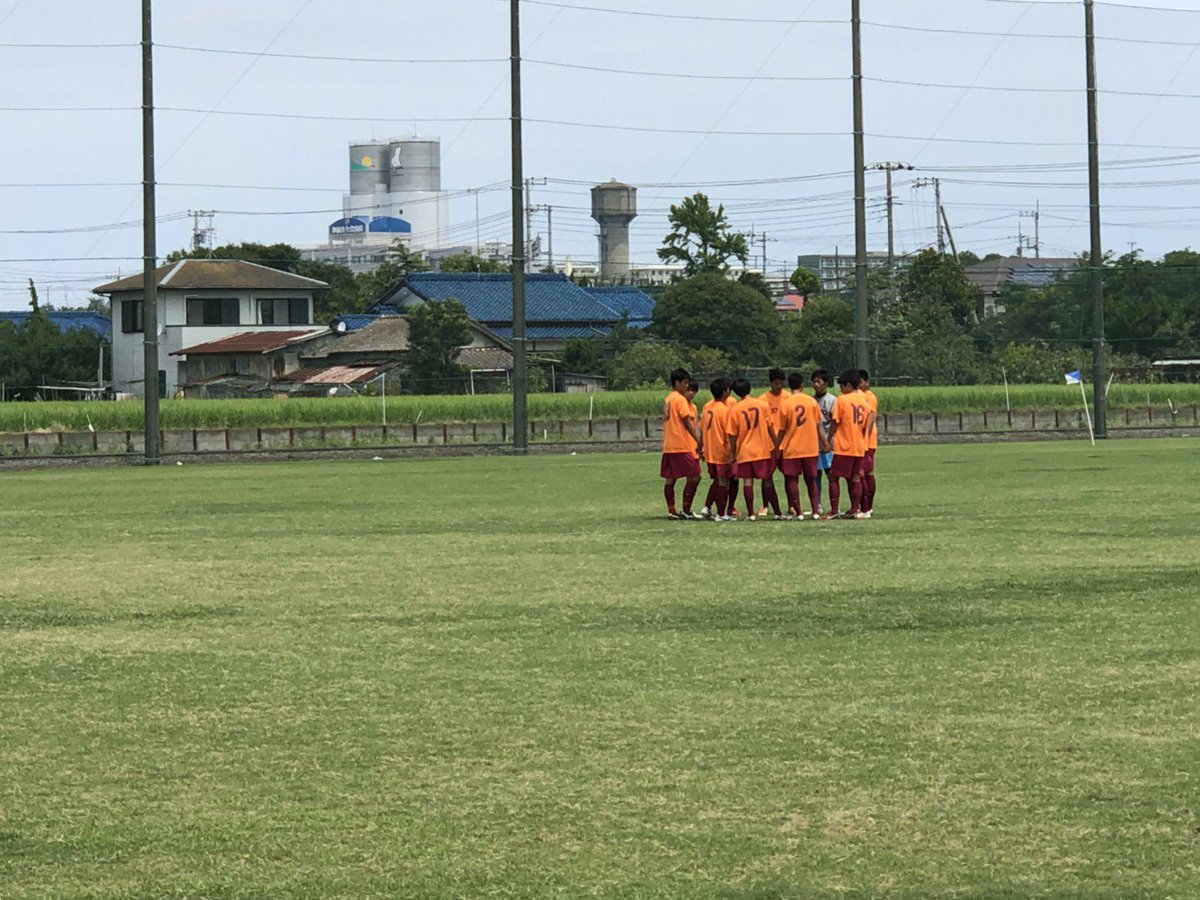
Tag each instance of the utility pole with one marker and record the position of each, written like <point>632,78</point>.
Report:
<point>889,168</point>
<point>1096,256</point>
<point>937,212</point>
<point>550,237</point>
<point>520,399</point>
<point>530,209</point>
<point>1036,215</point>
<point>862,348</point>
<point>149,247</point>
<point>202,235</point>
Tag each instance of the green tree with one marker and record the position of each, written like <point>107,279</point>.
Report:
<point>712,311</point>
<point>806,282</point>
<point>823,333</point>
<point>437,330</point>
<point>701,238</point>
<point>471,262</point>
<point>647,364</point>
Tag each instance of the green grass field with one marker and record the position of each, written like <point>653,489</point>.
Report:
<point>405,410</point>
<point>514,677</point>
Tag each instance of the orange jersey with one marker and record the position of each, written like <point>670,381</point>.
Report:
<point>873,406</point>
<point>800,417</point>
<point>775,403</point>
<point>677,436</point>
<point>714,428</point>
<point>749,422</point>
<point>850,413</point>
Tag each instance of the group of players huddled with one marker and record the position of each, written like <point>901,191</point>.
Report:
<point>747,439</point>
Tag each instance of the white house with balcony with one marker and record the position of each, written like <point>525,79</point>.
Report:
<point>202,300</point>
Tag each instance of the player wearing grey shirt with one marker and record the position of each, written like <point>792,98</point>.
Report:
<point>820,383</point>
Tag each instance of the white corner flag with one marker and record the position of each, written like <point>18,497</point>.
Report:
<point>1076,378</point>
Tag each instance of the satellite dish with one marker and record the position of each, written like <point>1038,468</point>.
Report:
<point>339,327</point>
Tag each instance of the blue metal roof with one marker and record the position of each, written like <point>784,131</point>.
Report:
<point>66,320</point>
<point>1039,274</point>
<point>359,321</point>
<point>626,300</point>
<point>488,298</point>
<point>554,332</point>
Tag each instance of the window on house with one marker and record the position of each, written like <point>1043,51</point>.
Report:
<point>131,317</point>
<point>285,311</point>
<point>213,311</point>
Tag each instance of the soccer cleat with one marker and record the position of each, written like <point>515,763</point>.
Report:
<point>688,516</point>
<point>862,515</point>
<point>704,513</point>
<point>751,518</point>
<point>723,519</point>
<point>867,514</point>
<point>764,511</point>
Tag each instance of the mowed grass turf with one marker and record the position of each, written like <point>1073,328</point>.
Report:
<point>505,676</point>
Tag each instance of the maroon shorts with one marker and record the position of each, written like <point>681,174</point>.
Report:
<point>794,468</point>
<point>679,465</point>
<point>845,466</point>
<point>760,469</point>
<point>717,471</point>
<point>868,463</point>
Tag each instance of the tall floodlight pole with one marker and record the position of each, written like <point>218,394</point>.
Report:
<point>1096,262</point>
<point>520,414</point>
<point>149,248</point>
<point>861,349</point>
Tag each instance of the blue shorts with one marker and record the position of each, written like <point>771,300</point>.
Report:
<point>824,461</point>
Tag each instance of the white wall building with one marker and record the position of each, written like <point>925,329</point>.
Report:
<point>201,300</point>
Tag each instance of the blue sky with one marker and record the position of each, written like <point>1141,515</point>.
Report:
<point>748,102</point>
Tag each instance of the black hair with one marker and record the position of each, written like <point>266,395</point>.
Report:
<point>822,374</point>
<point>850,376</point>
<point>719,388</point>
<point>741,387</point>
<point>795,381</point>
<point>863,373</point>
<point>776,375</point>
<point>679,375</point>
<point>693,385</point>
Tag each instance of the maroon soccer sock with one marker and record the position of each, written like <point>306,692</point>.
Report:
<point>771,497</point>
<point>748,496</point>
<point>814,492</point>
<point>792,485</point>
<point>689,494</point>
<point>712,496</point>
<point>869,494</point>
<point>835,495</point>
<point>856,492</point>
<point>733,495</point>
<point>669,494</point>
<point>722,500</point>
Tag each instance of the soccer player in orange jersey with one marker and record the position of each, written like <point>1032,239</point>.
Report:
<point>849,435</point>
<point>753,442</point>
<point>803,439</point>
<point>731,510</point>
<point>868,473</point>
<point>714,430</point>
<point>774,397</point>
<point>681,446</point>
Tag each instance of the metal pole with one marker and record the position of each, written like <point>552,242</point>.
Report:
<point>550,238</point>
<point>862,358</point>
<point>937,199</point>
<point>149,248</point>
<point>1096,261</point>
<point>891,229</point>
<point>520,413</point>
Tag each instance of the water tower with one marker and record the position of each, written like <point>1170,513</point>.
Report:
<point>614,206</point>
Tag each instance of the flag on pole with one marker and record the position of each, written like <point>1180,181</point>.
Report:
<point>1074,377</point>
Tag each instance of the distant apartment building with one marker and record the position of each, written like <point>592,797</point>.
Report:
<point>836,270</point>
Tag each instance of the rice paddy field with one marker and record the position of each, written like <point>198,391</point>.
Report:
<point>403,410</point>
<point>514,677</point>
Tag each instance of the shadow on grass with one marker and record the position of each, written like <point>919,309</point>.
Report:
<point>20,618</point>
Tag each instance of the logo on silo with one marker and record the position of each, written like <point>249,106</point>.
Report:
<point>363,163</point>
<point>397,153</point>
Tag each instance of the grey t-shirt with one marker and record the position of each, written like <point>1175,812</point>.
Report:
<point>826,402</point>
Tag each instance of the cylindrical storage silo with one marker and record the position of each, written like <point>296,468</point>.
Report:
<point>368,167</point>
<point>415,165</point>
